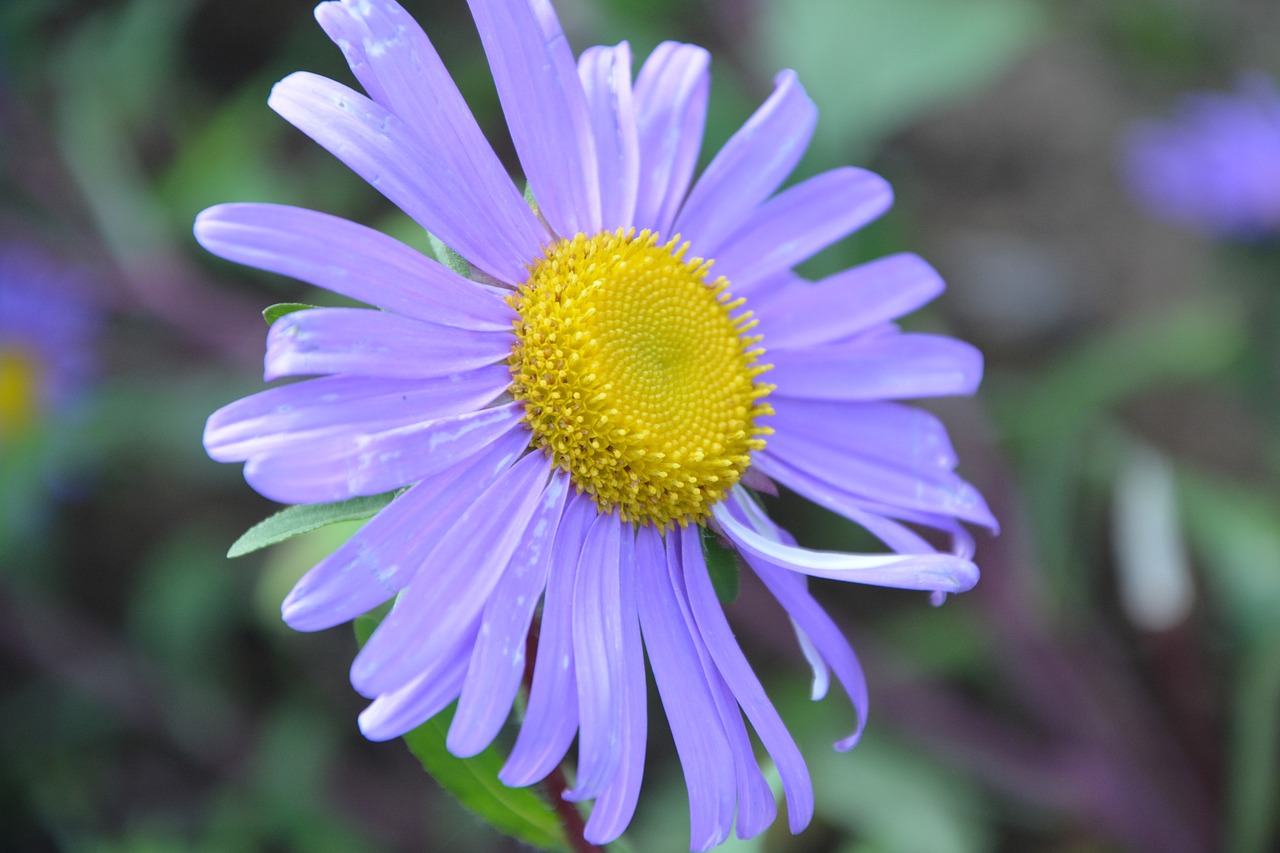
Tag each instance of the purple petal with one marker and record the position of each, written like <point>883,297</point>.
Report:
<point>671,111</point>
<point>363,342</point>
<point>606,77</point>
<point>453,586</point>
<point>546,109</point>
<point>799,222</point>
<point>920,571</point>
<point>334,469</point>
<point>400,69</point>
<point>886,367</point>
<point>750,167</point>
<point>498,662</point>
<point>617,802</point>
<point>311,412</point>
<point>551,717</point>
<point>598,655</point>
<point>384,555</point>
<point>350,259</point>
<point>802,314</point>
<point>392,714</point>
<point>703,746</point>
<point>379,147</point>
<point>906,436</point>
<point>742,681</point>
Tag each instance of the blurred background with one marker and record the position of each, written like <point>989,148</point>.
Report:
<point>1113,684</point>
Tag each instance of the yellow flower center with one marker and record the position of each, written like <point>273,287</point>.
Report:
<point>638,376</point>
<point>19,391</point>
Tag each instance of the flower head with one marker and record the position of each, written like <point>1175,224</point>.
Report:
<point>47,327</point>
<point>1215,166</point>
<point>565,420</point>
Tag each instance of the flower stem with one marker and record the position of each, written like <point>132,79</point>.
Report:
<point>556,784</point>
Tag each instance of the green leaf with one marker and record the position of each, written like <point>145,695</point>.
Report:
<point>722,566</point>
<point>274,312</point>
<point>449,257</point>
<point>304,518</point>
<point>518,812</point>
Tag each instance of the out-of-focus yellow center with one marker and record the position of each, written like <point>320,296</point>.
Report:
<point>19,391</point>
<point>638,376</point>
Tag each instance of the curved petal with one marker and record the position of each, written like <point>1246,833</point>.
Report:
<point>350,259</point>
<point>383,556</point>
<point>746,688</point>
<point>942,572</point>
<point>546,109</point>
<point>452,588</point>
<point>617,802</point>
<point>498,662</point>
<point>606,77</point>
<point>318,410</point>
<point>750,167</point>
<point>364,342</point>
<point>344,466</point>
<point>903,435</point>
<point>379,147</point>
<point>598,655</point>
<point>886,367</point>
<point>799,222</point>
<point>392,714</point>
<point>398,66</point>
<point>703,746</point>
<point>671,111</point>
<point>804,314</point>
<point>551,717</point>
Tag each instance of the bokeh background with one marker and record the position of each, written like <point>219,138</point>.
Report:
<point>1113,684</point>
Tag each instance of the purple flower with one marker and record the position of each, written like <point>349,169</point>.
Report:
<point>1215,166</point>
<point>47,330</point>
<point>565,420</point>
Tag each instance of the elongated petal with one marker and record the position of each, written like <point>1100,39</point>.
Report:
<point>799,222</point>
<point>307,413</point>
<point>335,469</point>
<point>551,717</point>
<point>379,147</point>
<point>498,662</point>
<point>363,342</point>
<point>400,69</point>
<point>617,802</point>
<point>702,744</point>
<point>742,681</point>
<point>454,585</point>
<point>352,260</point>
<point>598,654</point>
<point>671,111</point>
<point>888,367</point>
<point>546,109</point>
<point>383,556</point>
<point>802,314</point>
<point>942,572</point>
<point>903,435</point>
<point>392,714</point>
<point>606,77</point>
<point>750,167</point>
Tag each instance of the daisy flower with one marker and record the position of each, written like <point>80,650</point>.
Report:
<point>566,420</point>
<point>1214,166</point>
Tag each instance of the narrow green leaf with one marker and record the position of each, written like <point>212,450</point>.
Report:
<point>722,566</point>
<point>304,518</point>
<point>274,312</point>
<point>518,812</point>
<point>449,257</point>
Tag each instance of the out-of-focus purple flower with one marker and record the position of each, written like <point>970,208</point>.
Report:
<point>1215,165</point>
<point>567,418</point>
<point>48,328</point>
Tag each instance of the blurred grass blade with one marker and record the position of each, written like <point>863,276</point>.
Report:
<point>518,812</point>
<point>296,520</point>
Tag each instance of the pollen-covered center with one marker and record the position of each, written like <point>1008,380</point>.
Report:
<point>638,375</point>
